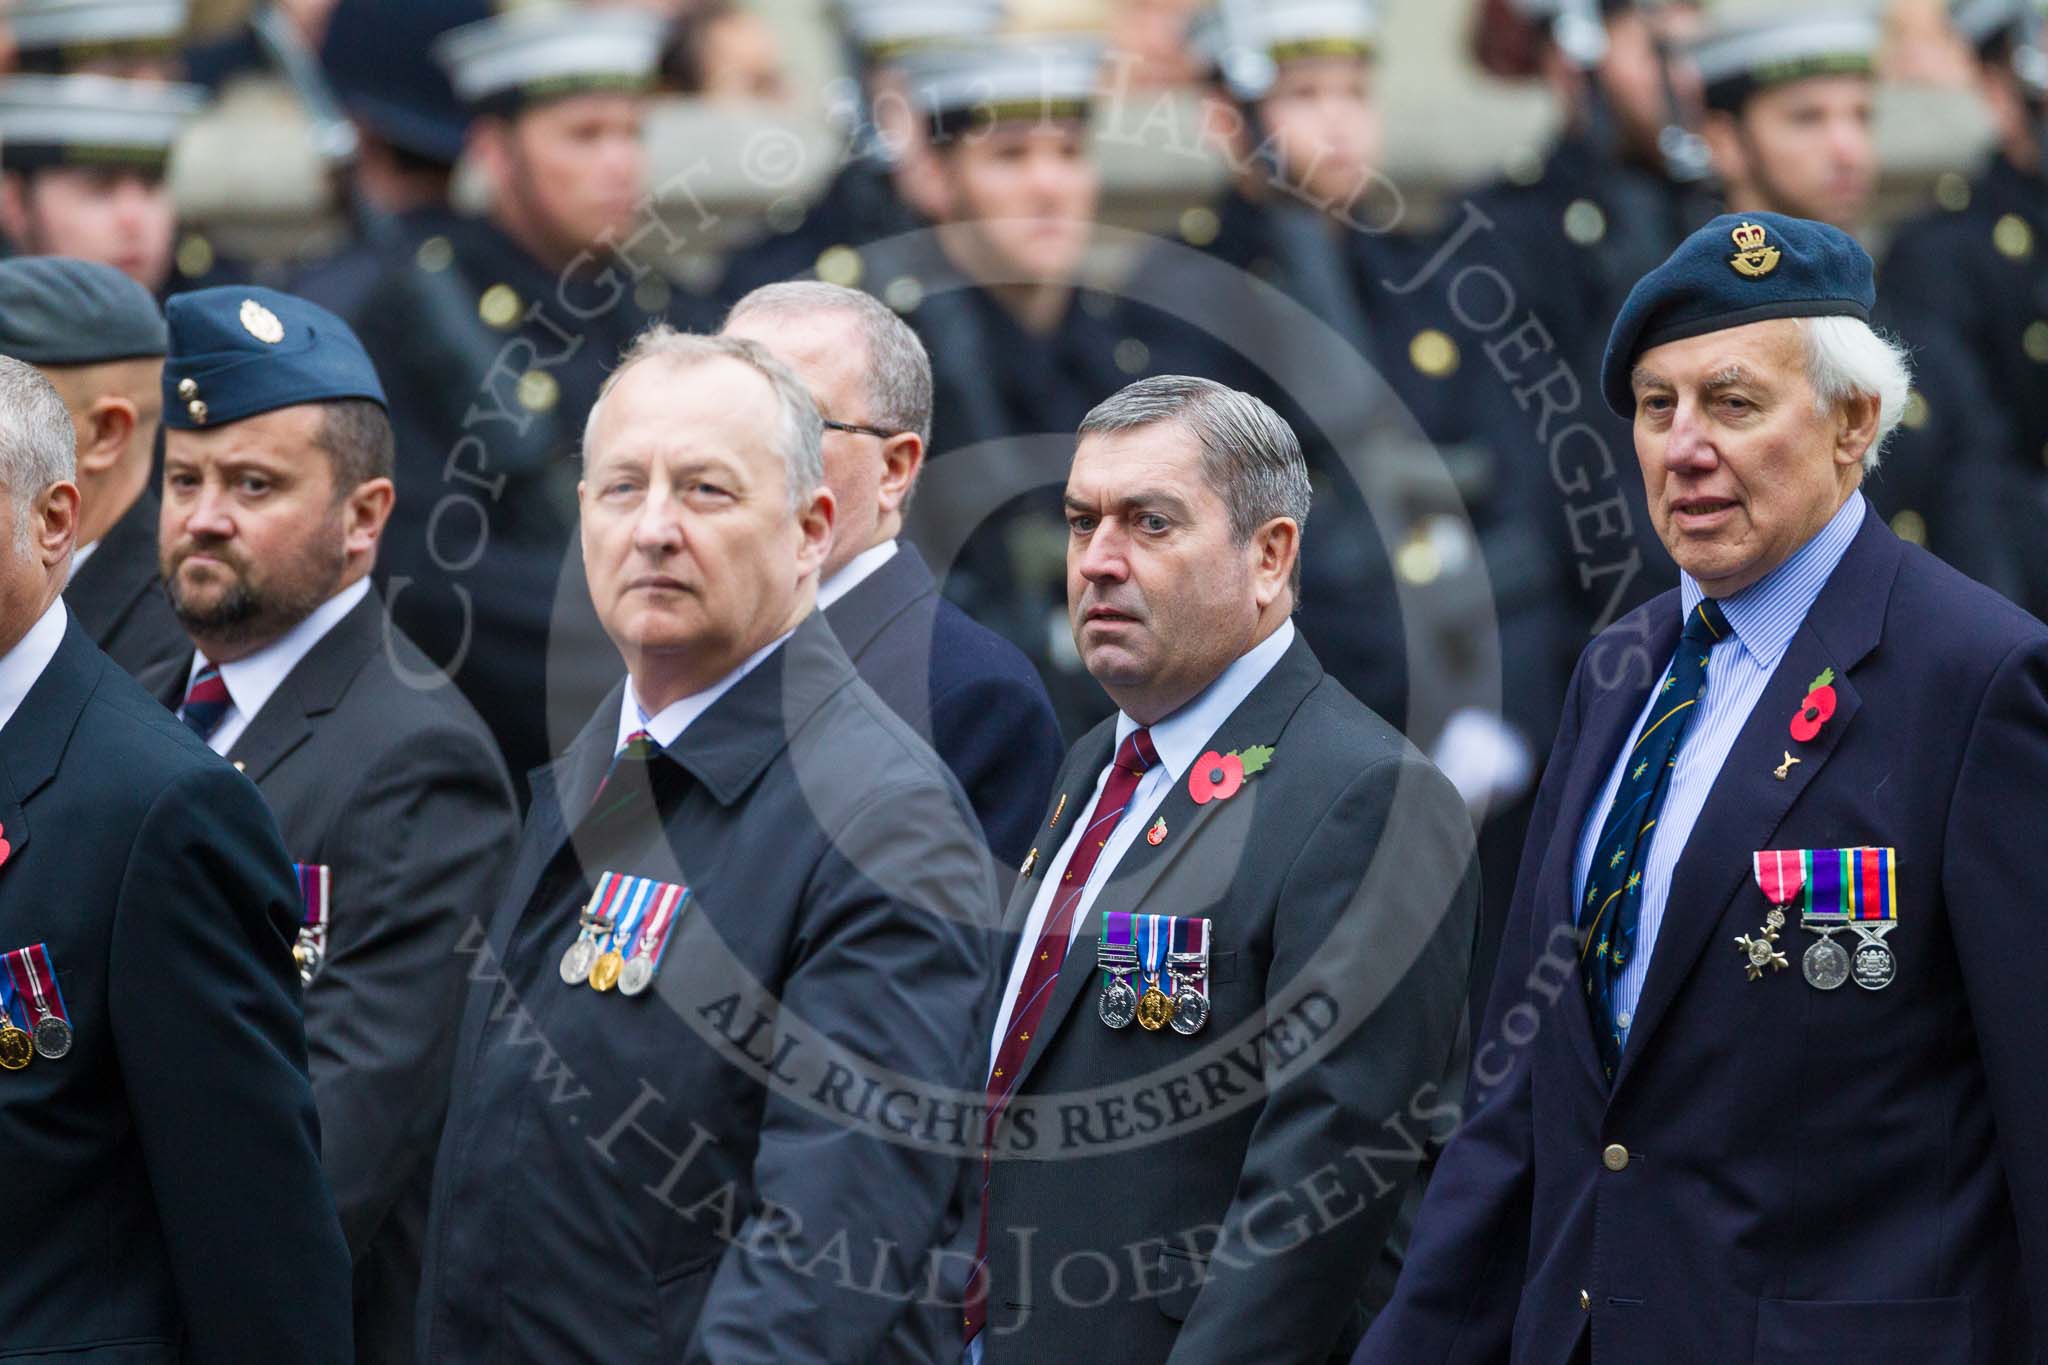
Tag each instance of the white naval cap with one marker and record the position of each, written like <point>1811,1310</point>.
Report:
<point>546,51</point>
<point>886,28</point>
<point>92,120</point>
<point>1980,21</point>
<point>1002,78</point>
<point>1746,47</point>
<point>1244,41</point>
<point>74,25</point>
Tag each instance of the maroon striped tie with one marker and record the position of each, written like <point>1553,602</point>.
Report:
<point>206,701</point>
<point>1034,992</point>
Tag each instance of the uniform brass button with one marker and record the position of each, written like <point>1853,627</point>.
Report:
<point>499,306</point>
<point>434,255</point>
<point>538,391</point>
<point>1131,355</point>
<point>1200,226</point>
<point>196,410</point>
<point>1915,415</point>
<point>1585,223</point>
<point>1585,1302</point>
<point>195,256</point>
<point>188,388</point>
<point>1433,353</point>
<point>1615,1158</point>
<point>2013,238</point>
<point>1909,526</point>
<point>840,265</point>
<point>2034,341</point>
<point>905,293</point>
<point>1952,191</point>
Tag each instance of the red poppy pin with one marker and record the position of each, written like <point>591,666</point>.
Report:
<point>6,849</point>
<point>1216,777</point>
<point>1156,835</point>
<point>1815,711</point>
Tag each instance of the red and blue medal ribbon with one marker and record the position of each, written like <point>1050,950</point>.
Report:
<point>1851,885</point>
<point>35,984</point>
<point>314,886</point>
<point>1155,940</point>
<point>657,923</point>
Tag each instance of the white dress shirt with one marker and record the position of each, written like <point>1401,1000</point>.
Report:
<point>252,679</point>
<point>1180,739</point>
<point>23,664</point>
<point>1764,616</point>
<point>668,724</point>
<point>855,572</point>
<point>79,555</point>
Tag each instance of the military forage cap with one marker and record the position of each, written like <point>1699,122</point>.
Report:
<point>57,311</point>
<point>1744,51</point>
<point>1738,269</point>
<point>542,52</point>
<point>1244,42</point>
<point>242,350</point>
<point>1015,77</point>
<point>91,121</point>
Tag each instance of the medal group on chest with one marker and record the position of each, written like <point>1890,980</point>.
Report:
<point>623,933</point>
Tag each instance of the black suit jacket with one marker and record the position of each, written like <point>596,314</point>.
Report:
<point>1777,1173</point>
<point>119,599</point>
<point>968,692</point>
<point>1225,1197</point>
<point>376,767</point>
<point>164,1198</point>
<point>750,1162</point>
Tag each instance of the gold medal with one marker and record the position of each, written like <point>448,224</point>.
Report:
<point>1154,1009</point>
<point>16,1048</point>
<point>605,974</point>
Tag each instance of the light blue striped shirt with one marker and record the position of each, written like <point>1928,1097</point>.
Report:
<point>1764,616</point>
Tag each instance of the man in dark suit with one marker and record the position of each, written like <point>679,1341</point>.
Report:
<point>1702,1136</point>
<point>97,336</point>
<point>967,691</point>
<point>714,1084</point>
<point>1217,1181</point>
<point>388,790</point>
<point>165,1202</point>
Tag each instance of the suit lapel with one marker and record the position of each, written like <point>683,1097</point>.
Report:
<point>1262,718</point>
<point>860,617</point>
<point>1070,799</point>
<point>314,687</point>
<point>1611,716</point>
<point>123,568</point>
<point>1748,803</point>
<point>33,742</point>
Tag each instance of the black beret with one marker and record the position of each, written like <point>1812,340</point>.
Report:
<point>57,311</point>
<point>1738,269</point>
<point>238,351</point>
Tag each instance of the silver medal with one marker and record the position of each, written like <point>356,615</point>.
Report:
<point>1119,1003</point>
<point>636,976</point>
<point>577,962</point>
<point>1875,966</point>
<point>1190,1010</point>
<point>53,1037</point>
<point>1825,965</point>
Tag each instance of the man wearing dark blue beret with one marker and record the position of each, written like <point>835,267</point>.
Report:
<point>99,339</point>
<point>1759,1079</point>
<point>388,790</point>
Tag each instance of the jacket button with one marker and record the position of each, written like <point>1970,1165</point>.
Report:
<point>1615,1158</point>
<point>1585,1302</point>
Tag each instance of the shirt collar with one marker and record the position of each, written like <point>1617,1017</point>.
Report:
<point>1767,614</point>
<point>23,664</point>
<point>855,572</point>
<point>79,555</point>
<point>1179,738</point>
<point>253,679</point>
<point>668,724</point>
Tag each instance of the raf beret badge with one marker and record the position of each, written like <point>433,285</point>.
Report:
<point>261,323</point>
<point>1754,258</point>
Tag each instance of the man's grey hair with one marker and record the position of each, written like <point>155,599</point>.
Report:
<point>799,435</point>
<point>1847,357</point>
<point>1250,456</point>
<point>37,445</point>
<point>898,369</point>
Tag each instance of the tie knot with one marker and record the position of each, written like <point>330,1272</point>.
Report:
<point>1136,754</point>
<point>639,745</point>
<point>1705,625</point>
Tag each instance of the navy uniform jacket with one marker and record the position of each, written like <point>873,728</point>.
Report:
<point>1230,1196</point>
<point>377,769</point>
<point>967,692</point>
<point>1778,1174</point>
<point>723,1168</point>
<point>1979,273</point>
<point>164,1199</point>
<point>119,598</point>
<point>491,362</point>
<point>860,206</point>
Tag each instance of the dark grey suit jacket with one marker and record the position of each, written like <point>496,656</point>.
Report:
<point>1226,1196</point>
<point>399,791</point>
<point>119,599</point>
<point>747,1164</point>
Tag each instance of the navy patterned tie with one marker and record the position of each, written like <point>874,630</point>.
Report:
<point>206,701</point>
<point>1614,896</point>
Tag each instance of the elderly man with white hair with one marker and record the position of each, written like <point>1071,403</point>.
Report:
<point>1760,1076</point>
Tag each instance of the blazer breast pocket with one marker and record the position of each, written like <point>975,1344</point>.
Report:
<point>1880,1332</point>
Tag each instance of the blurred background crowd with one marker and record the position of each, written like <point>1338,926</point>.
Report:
<point>1407,224</point>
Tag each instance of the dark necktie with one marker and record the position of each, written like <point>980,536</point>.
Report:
<point>1034,992</point>
<point>1612,910</point>
<point>206,701</point>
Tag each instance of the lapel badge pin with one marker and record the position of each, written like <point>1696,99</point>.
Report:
<point>1216,777</point>
<point>1030,864</point>
<point>1054,823</point>
<point>1784,770</point>
<point>1817,709</point>
<point>1156,835</point>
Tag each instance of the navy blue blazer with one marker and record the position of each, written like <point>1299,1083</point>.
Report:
<point>164,1201</point>
<point>968,692</point>
<point>1777,1174</point>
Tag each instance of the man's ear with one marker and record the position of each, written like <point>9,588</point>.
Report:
<point>105,428</point>
<point>1860,414</point>
<point>53,522</point>
<point>14,210</point>
<point>902,458</point>
<point>815,520</point>
<point>1726,144</point>
<point>1274,549</point>
<point>364,513</point>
